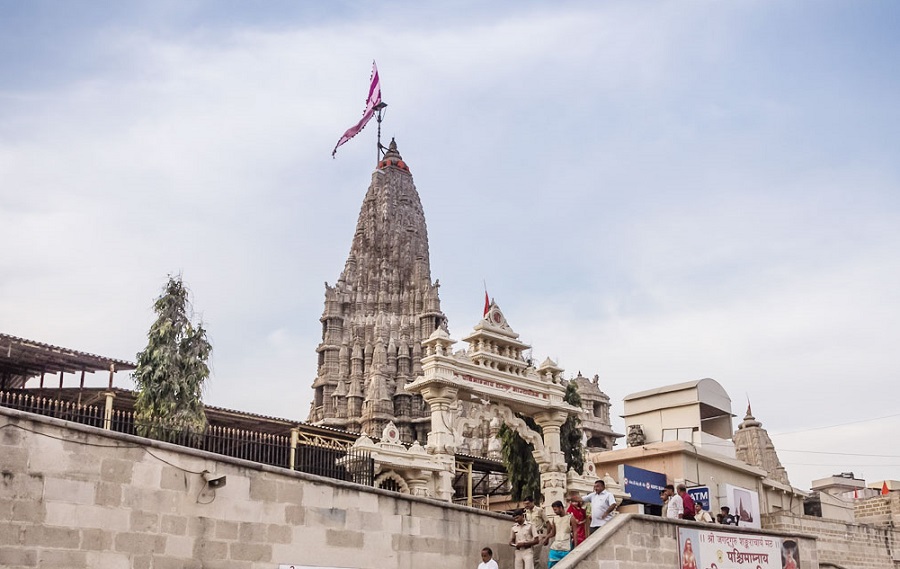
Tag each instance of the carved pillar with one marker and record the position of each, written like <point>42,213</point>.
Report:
<point>440,440</point>
<point>553,465</point>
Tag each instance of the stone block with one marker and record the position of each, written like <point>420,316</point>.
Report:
<point>263,489</point>
<point>181,547</point>
<point>394,506</point>
<point>139,543</point>
<point>69,491</point>
<point>64,559</point>
<point>167,562</point>
<point>344,538</point>
<point>10,534</point>
<point>175,525</point>
<point>227,530</point>
<point>146,475</point>
<point>96,539</point>
<point>171,478</point>
<point>107,560</point>
<point>18,557</point>
<point>50,536</point>
<point>16,484</point>
<point>144,522</point>
<point>252,532</point>
<point>27,511</point>
<point>276,533</point>
<point>201,527</point>
<point>326,517</point>
<point>318,496</point>
<point>251,552</point>
<point>207,550</point>
<point>108,494</point>
<point>295,515</point>
<point>290,491</point>
<point>368,502</point>
<point>115,470</point>
<point>11,437</point>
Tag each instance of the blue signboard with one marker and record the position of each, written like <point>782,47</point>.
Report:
<point>643,485</point>
<point>700,495</point>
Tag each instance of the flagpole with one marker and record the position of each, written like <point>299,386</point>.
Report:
<point>378,150</point>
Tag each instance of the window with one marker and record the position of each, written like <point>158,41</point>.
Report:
<point>679,434</point>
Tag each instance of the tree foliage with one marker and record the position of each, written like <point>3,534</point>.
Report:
<point>172,369</point>
<point>570,434</point>
<point>522,468</point>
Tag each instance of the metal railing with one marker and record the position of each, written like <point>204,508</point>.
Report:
<point>338,460</point>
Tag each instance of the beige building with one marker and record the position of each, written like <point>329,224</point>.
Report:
<point>685,431</point>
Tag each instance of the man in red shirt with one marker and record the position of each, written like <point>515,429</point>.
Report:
<point>688,503</point>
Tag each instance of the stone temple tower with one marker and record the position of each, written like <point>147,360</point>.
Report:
<point>377,314</point>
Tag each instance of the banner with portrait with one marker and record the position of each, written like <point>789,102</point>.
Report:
<point>705,549</point>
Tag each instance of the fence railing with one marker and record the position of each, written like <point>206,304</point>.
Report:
<point>336,461</point>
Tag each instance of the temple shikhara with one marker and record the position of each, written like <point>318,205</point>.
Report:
<point>381,309</point>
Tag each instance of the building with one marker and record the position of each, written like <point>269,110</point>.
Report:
<point>685,432</point>
<point>376,316</point>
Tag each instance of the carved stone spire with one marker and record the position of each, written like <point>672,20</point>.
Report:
<point>753,445</point>
<point>383,299</point>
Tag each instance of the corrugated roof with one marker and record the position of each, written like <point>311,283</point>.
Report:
<point>29,358</point>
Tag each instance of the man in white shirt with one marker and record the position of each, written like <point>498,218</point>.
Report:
<point>487,559</point>
<point>675,505</point>
<point>603,504</point>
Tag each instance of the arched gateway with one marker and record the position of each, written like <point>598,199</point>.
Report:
<point>490,381</point>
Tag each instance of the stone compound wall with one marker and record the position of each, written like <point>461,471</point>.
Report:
<point>842,544</point>
<point>636,541</point>
<point>76,497</point>
<point>878,510</point>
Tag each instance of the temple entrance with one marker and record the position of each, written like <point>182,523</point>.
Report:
<point>492,381</point>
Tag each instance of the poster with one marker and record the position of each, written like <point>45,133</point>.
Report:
<point>744,505</point>
<point>705,549</point>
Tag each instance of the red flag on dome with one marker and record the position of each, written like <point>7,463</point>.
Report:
<point>372,101</point>
<point>884,489</point>
<point>487,303</point>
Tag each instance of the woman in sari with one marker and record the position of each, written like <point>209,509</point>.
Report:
<point>576,508</point>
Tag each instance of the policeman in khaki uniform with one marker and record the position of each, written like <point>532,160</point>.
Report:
<point>523,538</point>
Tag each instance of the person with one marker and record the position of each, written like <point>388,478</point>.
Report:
<point>674,506</point>
<point>579,514</point>
<point>727,518</point>
<point>603,504</point>
<point>688,560</point>
<point>487,559</point>
<point>702,515</point>
<point>560,531</point>
<point>536,517</point>
<point>687,503</point>
<point>664,497</point>
<point>523,538</point>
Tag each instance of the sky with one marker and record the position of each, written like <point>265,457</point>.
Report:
<point>655,192</point>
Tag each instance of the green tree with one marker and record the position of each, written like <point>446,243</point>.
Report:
<point>522,468</point>
<point>172,369</point>
<point>570,433</point>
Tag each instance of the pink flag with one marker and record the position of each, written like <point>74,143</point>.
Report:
<point>373,100</point>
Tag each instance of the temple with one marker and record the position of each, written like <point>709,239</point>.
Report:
<point>379,312</point>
